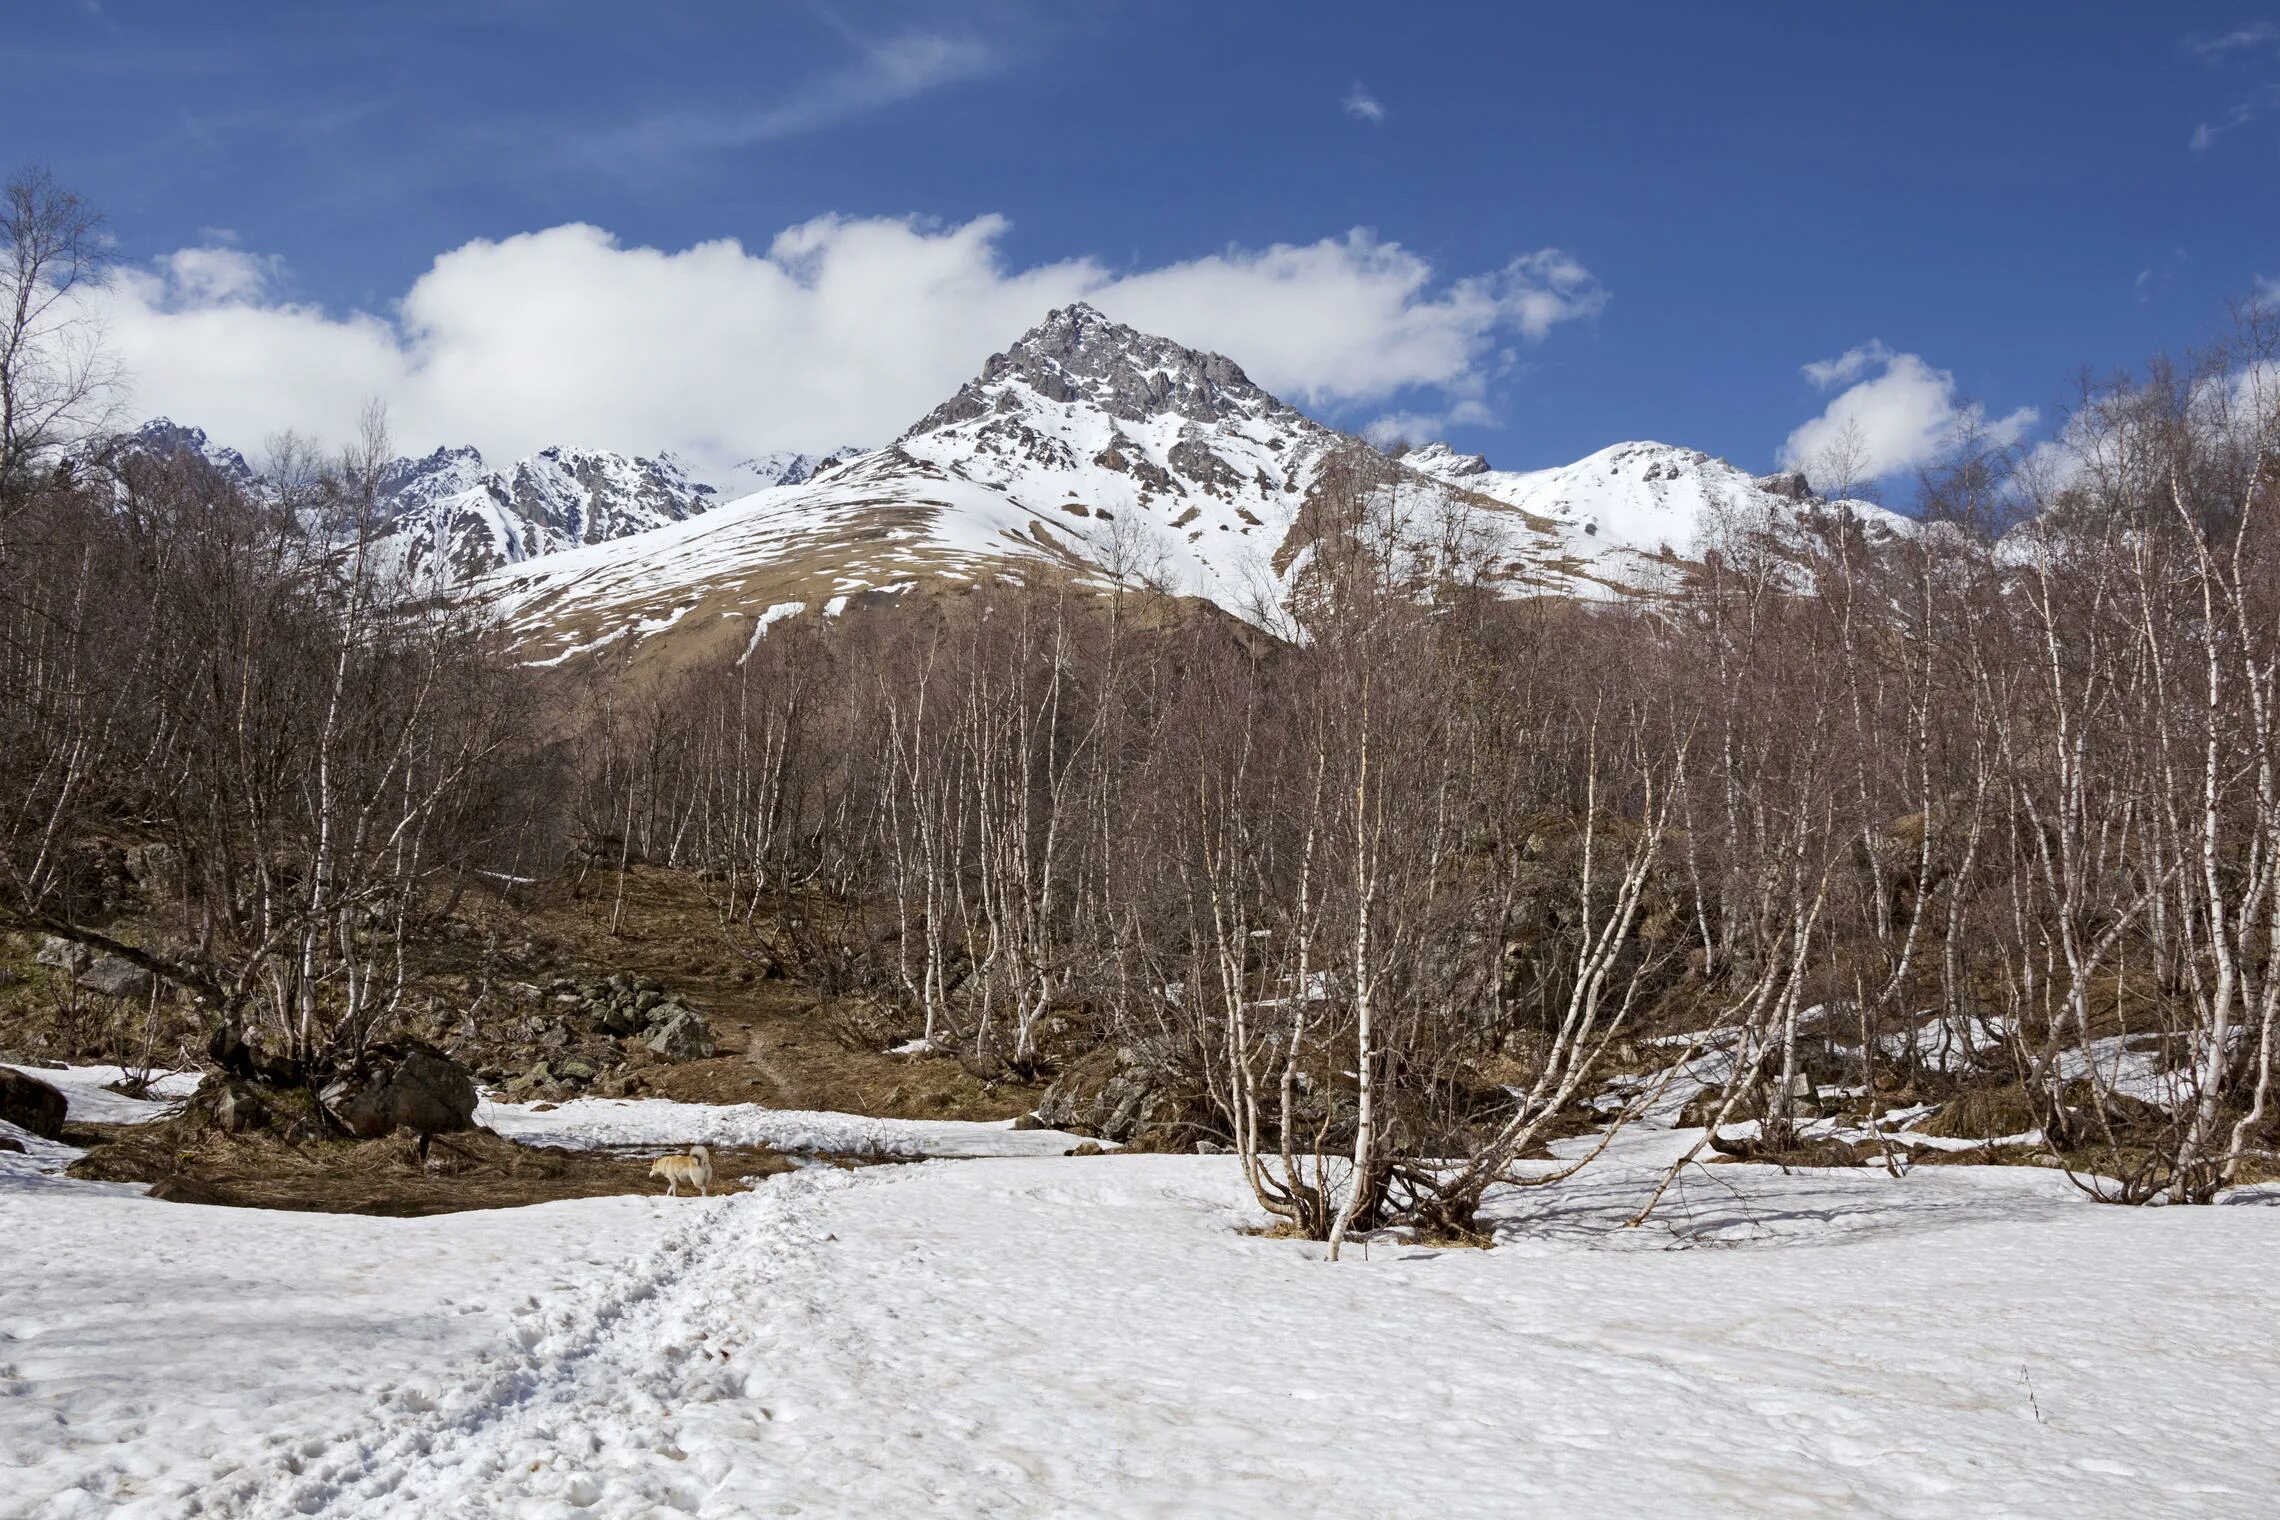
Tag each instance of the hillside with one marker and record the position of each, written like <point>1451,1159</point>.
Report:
<point>1090,449</point>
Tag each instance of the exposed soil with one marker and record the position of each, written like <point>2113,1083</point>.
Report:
<point>471,1170</point>
<point>782,1042</point>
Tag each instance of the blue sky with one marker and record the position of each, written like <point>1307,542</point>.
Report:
<point>1960,203</point>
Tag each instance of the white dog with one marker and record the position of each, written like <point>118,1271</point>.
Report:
<point>695,1169</point>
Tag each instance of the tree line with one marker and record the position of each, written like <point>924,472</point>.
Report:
<point>1388,896</point>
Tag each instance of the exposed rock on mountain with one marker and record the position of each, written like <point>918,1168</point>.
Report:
<point>162,437</point>
<point>450,518</point>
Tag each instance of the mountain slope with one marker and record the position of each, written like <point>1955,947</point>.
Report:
<point>1086,448</point>
<point>1092,450</point>
<point>1638,504</point>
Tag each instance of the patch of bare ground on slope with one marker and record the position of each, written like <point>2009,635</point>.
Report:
<point>474,1169</point>
<point>783,1040</point>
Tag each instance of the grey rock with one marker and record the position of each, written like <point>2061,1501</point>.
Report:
<point>116,976</point>
<point>683,1038</point>
<point>619,1018</point>
<point>238,1108</point>
<point>1078,354</point>
<point>64,954</point>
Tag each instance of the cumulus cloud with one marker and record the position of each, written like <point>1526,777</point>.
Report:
<point>1895,411</point>
<point>2264,294</point>
<point>842,328</point>
<point>1363,106</point>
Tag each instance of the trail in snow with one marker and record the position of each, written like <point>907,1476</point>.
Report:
<point>1055,1337</point>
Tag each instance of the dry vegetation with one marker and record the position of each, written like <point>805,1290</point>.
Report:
<point>1378,905</point>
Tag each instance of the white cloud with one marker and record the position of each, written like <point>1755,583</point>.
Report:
<point>841,329</point>
<point>2264,294</point>
<point>1363,106</point>
<point>2255,37</point>
<point>1897,411</point>
<point>886,73</point>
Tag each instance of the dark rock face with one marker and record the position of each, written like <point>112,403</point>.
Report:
<point>1139,1098</point>
<point>30,1104</point>
<point>1077,354</point>
<point>1790,484</point>
<point>409,1086</point>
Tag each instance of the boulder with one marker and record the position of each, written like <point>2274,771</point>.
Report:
<point>409,1086</point>
<point>238,1108</point>
<point>30,1104</point>
<point>1130,1095</point>
<point>116,976</point>
<point>63,954</point>
<point>683,1037</point>
<point>11,1143</point>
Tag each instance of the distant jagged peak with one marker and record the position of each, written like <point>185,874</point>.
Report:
<point>781,467</point>
<point>1442,462</point>
<point>163,437</point>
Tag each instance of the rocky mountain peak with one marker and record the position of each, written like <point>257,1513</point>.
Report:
<point>1078,355</point>
<point>162,437</point>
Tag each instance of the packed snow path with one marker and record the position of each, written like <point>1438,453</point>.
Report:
<point>1098,1337</point>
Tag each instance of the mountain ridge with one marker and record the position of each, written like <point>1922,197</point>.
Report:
<point>1090,450</point>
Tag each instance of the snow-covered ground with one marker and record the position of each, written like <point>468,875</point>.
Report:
<point>88,1098</point>
<point>662,1124</point>
<point>1062,1337</point>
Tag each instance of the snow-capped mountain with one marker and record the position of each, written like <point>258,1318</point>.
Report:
<point>449,515</point>
<point>451,518</point>
<point>1637,504</point>
<point>162,437</point>
<point>1093,450</point>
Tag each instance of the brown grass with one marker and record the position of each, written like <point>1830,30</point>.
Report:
<point>471,1170</point>
<point>1982,1113</point>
